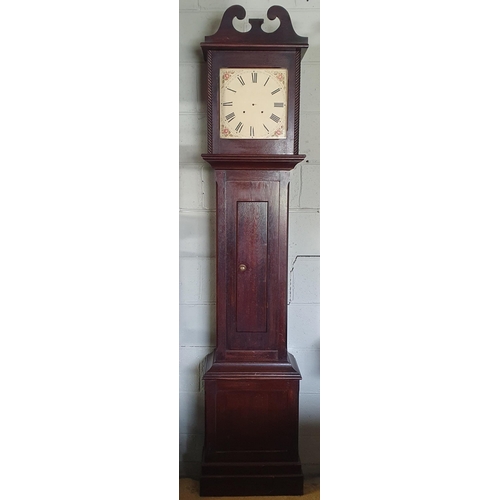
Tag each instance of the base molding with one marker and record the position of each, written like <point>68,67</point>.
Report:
<point>251,484</point>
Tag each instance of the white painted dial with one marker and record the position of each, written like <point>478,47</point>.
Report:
<point>253,103</point>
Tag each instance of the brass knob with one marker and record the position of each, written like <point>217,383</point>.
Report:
<point>242,267</point>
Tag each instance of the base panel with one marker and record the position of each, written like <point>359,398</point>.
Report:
<point>219,486</point>
<point>251,479</point>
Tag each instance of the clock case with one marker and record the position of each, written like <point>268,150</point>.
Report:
<point>251,381</point>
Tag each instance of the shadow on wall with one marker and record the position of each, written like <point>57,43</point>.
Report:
<point>309,447</point>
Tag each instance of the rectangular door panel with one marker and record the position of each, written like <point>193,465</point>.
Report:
<point>252,421</point>
<point>251,276</point>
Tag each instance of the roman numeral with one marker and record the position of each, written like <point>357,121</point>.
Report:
<point>251,131</point>
<point>278,104</point>
<point>230,116</point>
<point>275,91</point>
<point>230,103</point>
<point>254,77</point>
<point>239,127</point>
<point>240,78</point>
<point>267,81</point>
<point>274,118</point>
<point>231,90</point>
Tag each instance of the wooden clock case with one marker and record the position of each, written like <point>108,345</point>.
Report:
<point>251,381</point>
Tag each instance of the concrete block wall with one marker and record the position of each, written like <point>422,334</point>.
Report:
<point>198,18</point>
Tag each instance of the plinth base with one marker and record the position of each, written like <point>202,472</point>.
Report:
<point>251,485</point>
<point>251,430</point>
<point>252,478</point>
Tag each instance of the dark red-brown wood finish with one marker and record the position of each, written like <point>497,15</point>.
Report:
<point>251,380</point>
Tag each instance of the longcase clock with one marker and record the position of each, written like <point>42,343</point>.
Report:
<point>251,381</point>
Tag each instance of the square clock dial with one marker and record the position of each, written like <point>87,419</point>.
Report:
<point>253,103</point>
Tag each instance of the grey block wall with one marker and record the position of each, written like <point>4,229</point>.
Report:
<point>197,19</point>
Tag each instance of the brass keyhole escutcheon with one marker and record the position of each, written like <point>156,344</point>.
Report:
<point>242,267</point>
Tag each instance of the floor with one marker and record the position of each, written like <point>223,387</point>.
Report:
<point>188,490</point>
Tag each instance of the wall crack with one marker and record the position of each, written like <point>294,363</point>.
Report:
<point>292,267</point>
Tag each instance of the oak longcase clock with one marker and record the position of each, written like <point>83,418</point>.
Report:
<point>251,381</point>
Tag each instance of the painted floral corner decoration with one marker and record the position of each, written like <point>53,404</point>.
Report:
<point>278,132</point>
<point>225,132</point>
<point>281,77</point>
<point>226,75</point>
